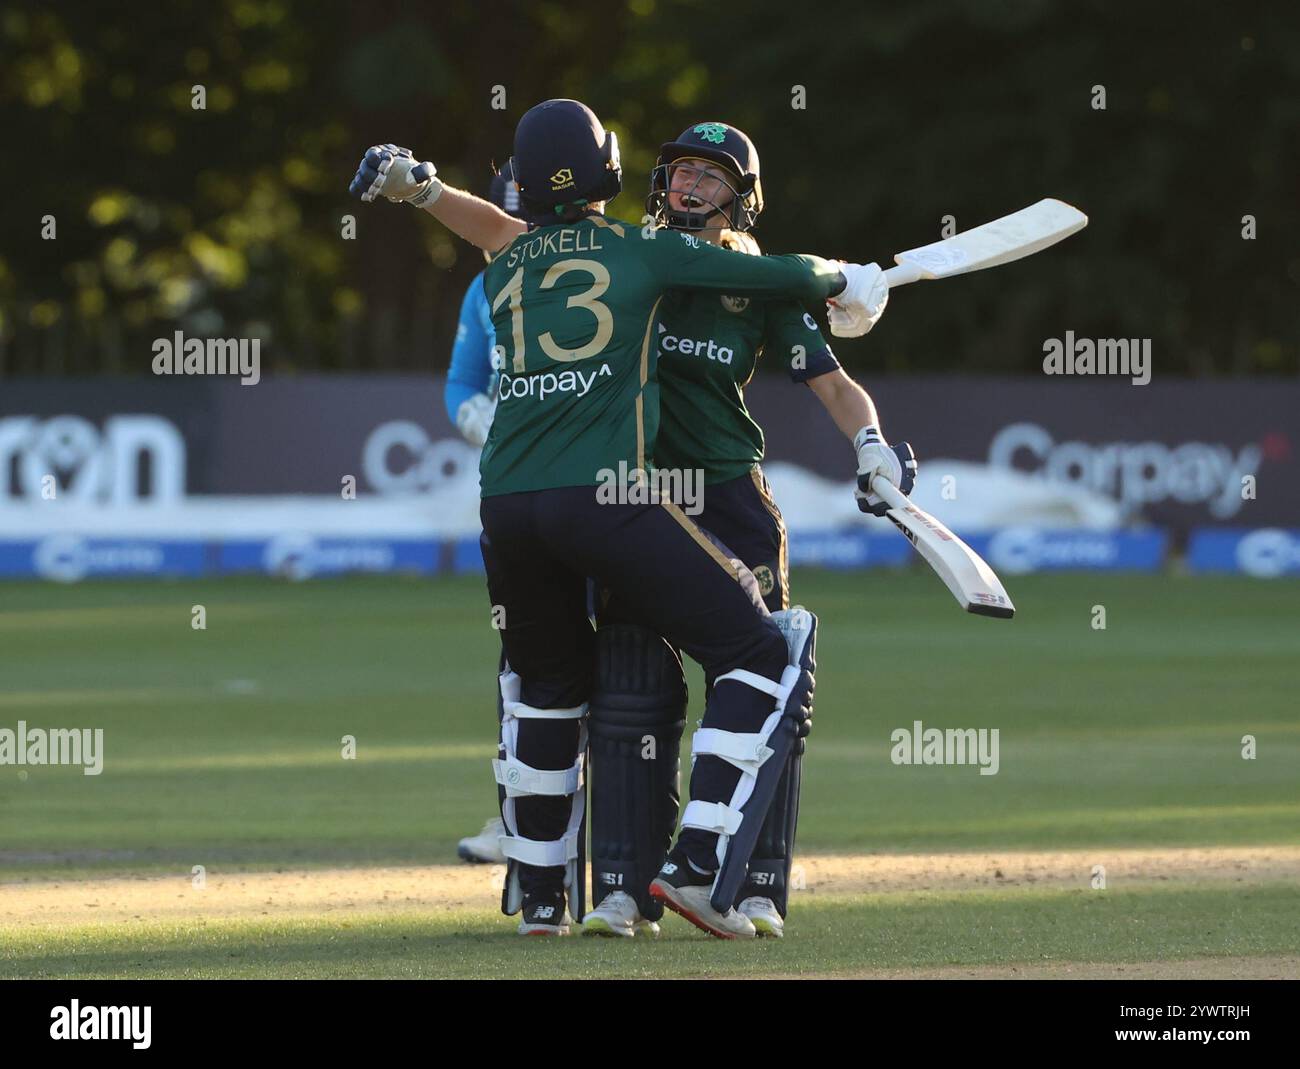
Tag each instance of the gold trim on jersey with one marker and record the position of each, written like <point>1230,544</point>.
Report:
<point>700,538</point>
<point>599,221</point>
<point>640,393</point>
<point>769,503</point>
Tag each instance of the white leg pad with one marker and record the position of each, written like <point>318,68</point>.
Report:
<point>712,816</point>
<point>753,679</point>
<point>520,780</point>
<point>746,751</point>
<point>542,854</point>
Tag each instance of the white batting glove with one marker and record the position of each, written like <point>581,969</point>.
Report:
<point>896,463</point>
<point>474,418</point>
<point>854,311</point>
<point>392,172</point>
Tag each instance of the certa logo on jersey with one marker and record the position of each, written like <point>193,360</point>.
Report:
<point>671,343</point>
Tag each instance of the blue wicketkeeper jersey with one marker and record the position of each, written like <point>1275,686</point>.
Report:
<point>471,354</point>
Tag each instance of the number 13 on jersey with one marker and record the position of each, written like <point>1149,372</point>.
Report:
<point>588,300</point>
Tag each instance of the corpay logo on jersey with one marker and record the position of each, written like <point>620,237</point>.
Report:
<point>1137,473</point>
<point>543,385</point>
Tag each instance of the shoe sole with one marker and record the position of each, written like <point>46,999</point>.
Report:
<point>663,892</point>
<point>601,927</point>
<point>543,930</point>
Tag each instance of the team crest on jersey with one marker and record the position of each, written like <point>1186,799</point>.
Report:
<point>766,580</point>
<point>712,131</point>
<point>735,304</point>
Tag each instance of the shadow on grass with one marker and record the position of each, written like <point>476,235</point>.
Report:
<point>842,934</point>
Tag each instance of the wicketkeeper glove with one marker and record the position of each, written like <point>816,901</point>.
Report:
<point>474,418</point>
<point>392,172</point>
<point>855,309</point>
<point>877,457</point>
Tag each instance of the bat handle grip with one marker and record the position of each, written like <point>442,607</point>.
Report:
<point>903,274</point>
<point>890,494</point>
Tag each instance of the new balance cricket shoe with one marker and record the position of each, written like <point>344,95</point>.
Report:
<point>482,849</point>
<point>763,916</point>
<point>544,914</point>
<point>616,915</point>
<point>686,892</point>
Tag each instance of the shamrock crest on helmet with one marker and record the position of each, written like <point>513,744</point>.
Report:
<point>712,131</point>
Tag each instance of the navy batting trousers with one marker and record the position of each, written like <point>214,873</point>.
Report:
<point>542,546</point>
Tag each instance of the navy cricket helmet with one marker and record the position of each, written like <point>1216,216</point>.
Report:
<point>564,159</point>
<point>729,149</point>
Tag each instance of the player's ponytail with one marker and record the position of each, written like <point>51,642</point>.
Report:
<point>740,241</point>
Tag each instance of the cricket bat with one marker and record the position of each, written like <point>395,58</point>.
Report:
<point>965,573</point>
<point>1012,237</point>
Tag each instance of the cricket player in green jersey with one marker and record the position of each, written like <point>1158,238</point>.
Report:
<point>585,403</point>
<point>707,182</point>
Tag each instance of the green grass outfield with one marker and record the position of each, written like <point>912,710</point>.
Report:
<point>222,748</point>
<point>839,935</point>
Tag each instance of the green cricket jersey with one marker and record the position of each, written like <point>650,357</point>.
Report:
<point>708,346</point>
<point>573,308</point>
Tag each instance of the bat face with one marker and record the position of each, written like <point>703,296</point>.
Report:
<point>1020,234</point>
<point>963,571</point>
<point>970,580</point>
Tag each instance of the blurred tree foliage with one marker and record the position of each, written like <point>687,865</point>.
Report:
<point>228,221</point>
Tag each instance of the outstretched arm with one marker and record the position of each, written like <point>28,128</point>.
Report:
<point>858,293</point>
<point>681,261</point>
<point>478,221</point>
<point>392,172</point>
